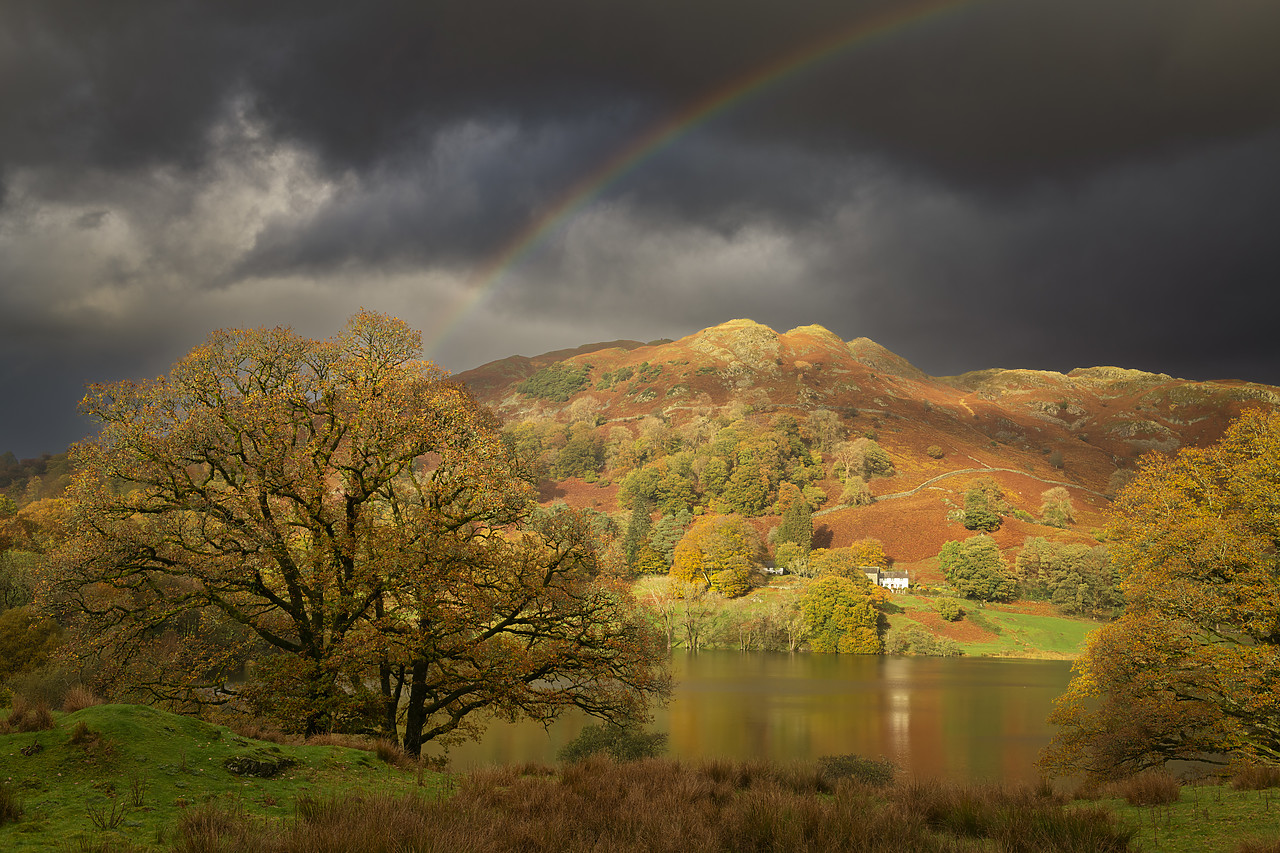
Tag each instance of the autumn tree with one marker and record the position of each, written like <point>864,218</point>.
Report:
<point>718,551</point>
<point>851,562</point>
<point>638,526</point>
<point>1189,670</point>
<point>862,457</point>
<point>977,512</point>
<point>841,616</point>
<point>824,429</point>
<point>27,638</point>
<point>856,492</point>
<point>667,533</point>
<point>582,454</point>
<point>1077,578</point>
<point>349,517</point>
<point>1056,509</point>
<point>796,524</point>
<point>976,569</point>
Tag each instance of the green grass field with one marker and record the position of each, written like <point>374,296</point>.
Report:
<point>136,768</point>
<point>1207,819</point>
<point>1017,634</point>
<point>1034,635</point>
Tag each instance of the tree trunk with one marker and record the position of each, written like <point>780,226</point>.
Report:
<point>390,697</point>
<point>416,717</point>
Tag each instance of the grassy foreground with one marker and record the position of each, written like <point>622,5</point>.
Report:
<point>1206,819</point>
<point>123,774</point>
<point>129,778</point>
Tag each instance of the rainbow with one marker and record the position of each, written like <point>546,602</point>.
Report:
<point>666,132</point>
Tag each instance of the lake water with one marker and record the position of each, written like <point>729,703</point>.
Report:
<point>955,718</point>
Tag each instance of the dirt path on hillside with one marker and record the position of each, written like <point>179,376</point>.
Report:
<point>933,480</point>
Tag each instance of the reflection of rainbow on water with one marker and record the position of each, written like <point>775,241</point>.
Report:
<point>663,134</point>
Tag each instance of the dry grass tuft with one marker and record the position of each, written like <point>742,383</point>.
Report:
<point>667,806</point>
<point>1256,777</point>
<point>1253,846</point>
<point>78,698</point>
<point>348,741</point>
<point>26,716</point>
<point>390,752</point>
<point>1151,788</point>
<point>10,805</point>
<point>82,734</point>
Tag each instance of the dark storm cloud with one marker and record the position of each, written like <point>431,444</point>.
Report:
<point>1022,87</point>
<point>1169,267</point>
<point>1034,183</point>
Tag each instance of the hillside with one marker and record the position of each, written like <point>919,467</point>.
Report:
<point>1028,430</point>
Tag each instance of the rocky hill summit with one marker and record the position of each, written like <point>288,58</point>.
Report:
<point>1026,429</point>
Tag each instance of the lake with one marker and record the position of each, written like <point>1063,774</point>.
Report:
<point>954,718</point>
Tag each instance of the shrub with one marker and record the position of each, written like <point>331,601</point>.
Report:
<point>556,383</point>
<point>1256,777</point>
<point>47,684</point>
<point>876,772</point>
<point>1152,788</point>
<point>914,639</point>
<point>856,492</point>
<point>950,609</point>
<point>82,734</point>
<point>934,451</point>
<point>622,743</point>
<point>27,716</point>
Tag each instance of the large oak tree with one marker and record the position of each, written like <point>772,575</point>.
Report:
<point>1191,669</point>
<point>353,520</point>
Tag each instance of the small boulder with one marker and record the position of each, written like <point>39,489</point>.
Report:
<point>260,763</point>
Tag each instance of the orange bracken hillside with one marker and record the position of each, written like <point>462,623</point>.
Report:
<point>1028,430</point>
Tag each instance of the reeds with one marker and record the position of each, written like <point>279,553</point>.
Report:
<point>1150,788</point>
<point>78,698</point>
<point>662,805</point>
<point>1256,777</point>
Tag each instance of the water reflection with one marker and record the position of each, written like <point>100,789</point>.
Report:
<point>946,717</point>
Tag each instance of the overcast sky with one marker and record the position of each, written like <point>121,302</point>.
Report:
<point>1012,183</point>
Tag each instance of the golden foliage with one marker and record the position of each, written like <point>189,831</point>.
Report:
<point>1191,667</point>
<point>343,503</point>
<point>717,551</point>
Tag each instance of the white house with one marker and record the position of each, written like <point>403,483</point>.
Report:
<point>894,579</point>
<point>891,579</point>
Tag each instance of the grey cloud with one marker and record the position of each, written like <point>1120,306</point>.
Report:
<point>1005,87</point>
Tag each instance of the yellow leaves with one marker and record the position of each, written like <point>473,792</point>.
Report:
<point>1192,665</point>
<point>716,544</point>
<point>841,616</point>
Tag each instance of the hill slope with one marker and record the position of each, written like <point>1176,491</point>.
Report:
<point>1028,430</point>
